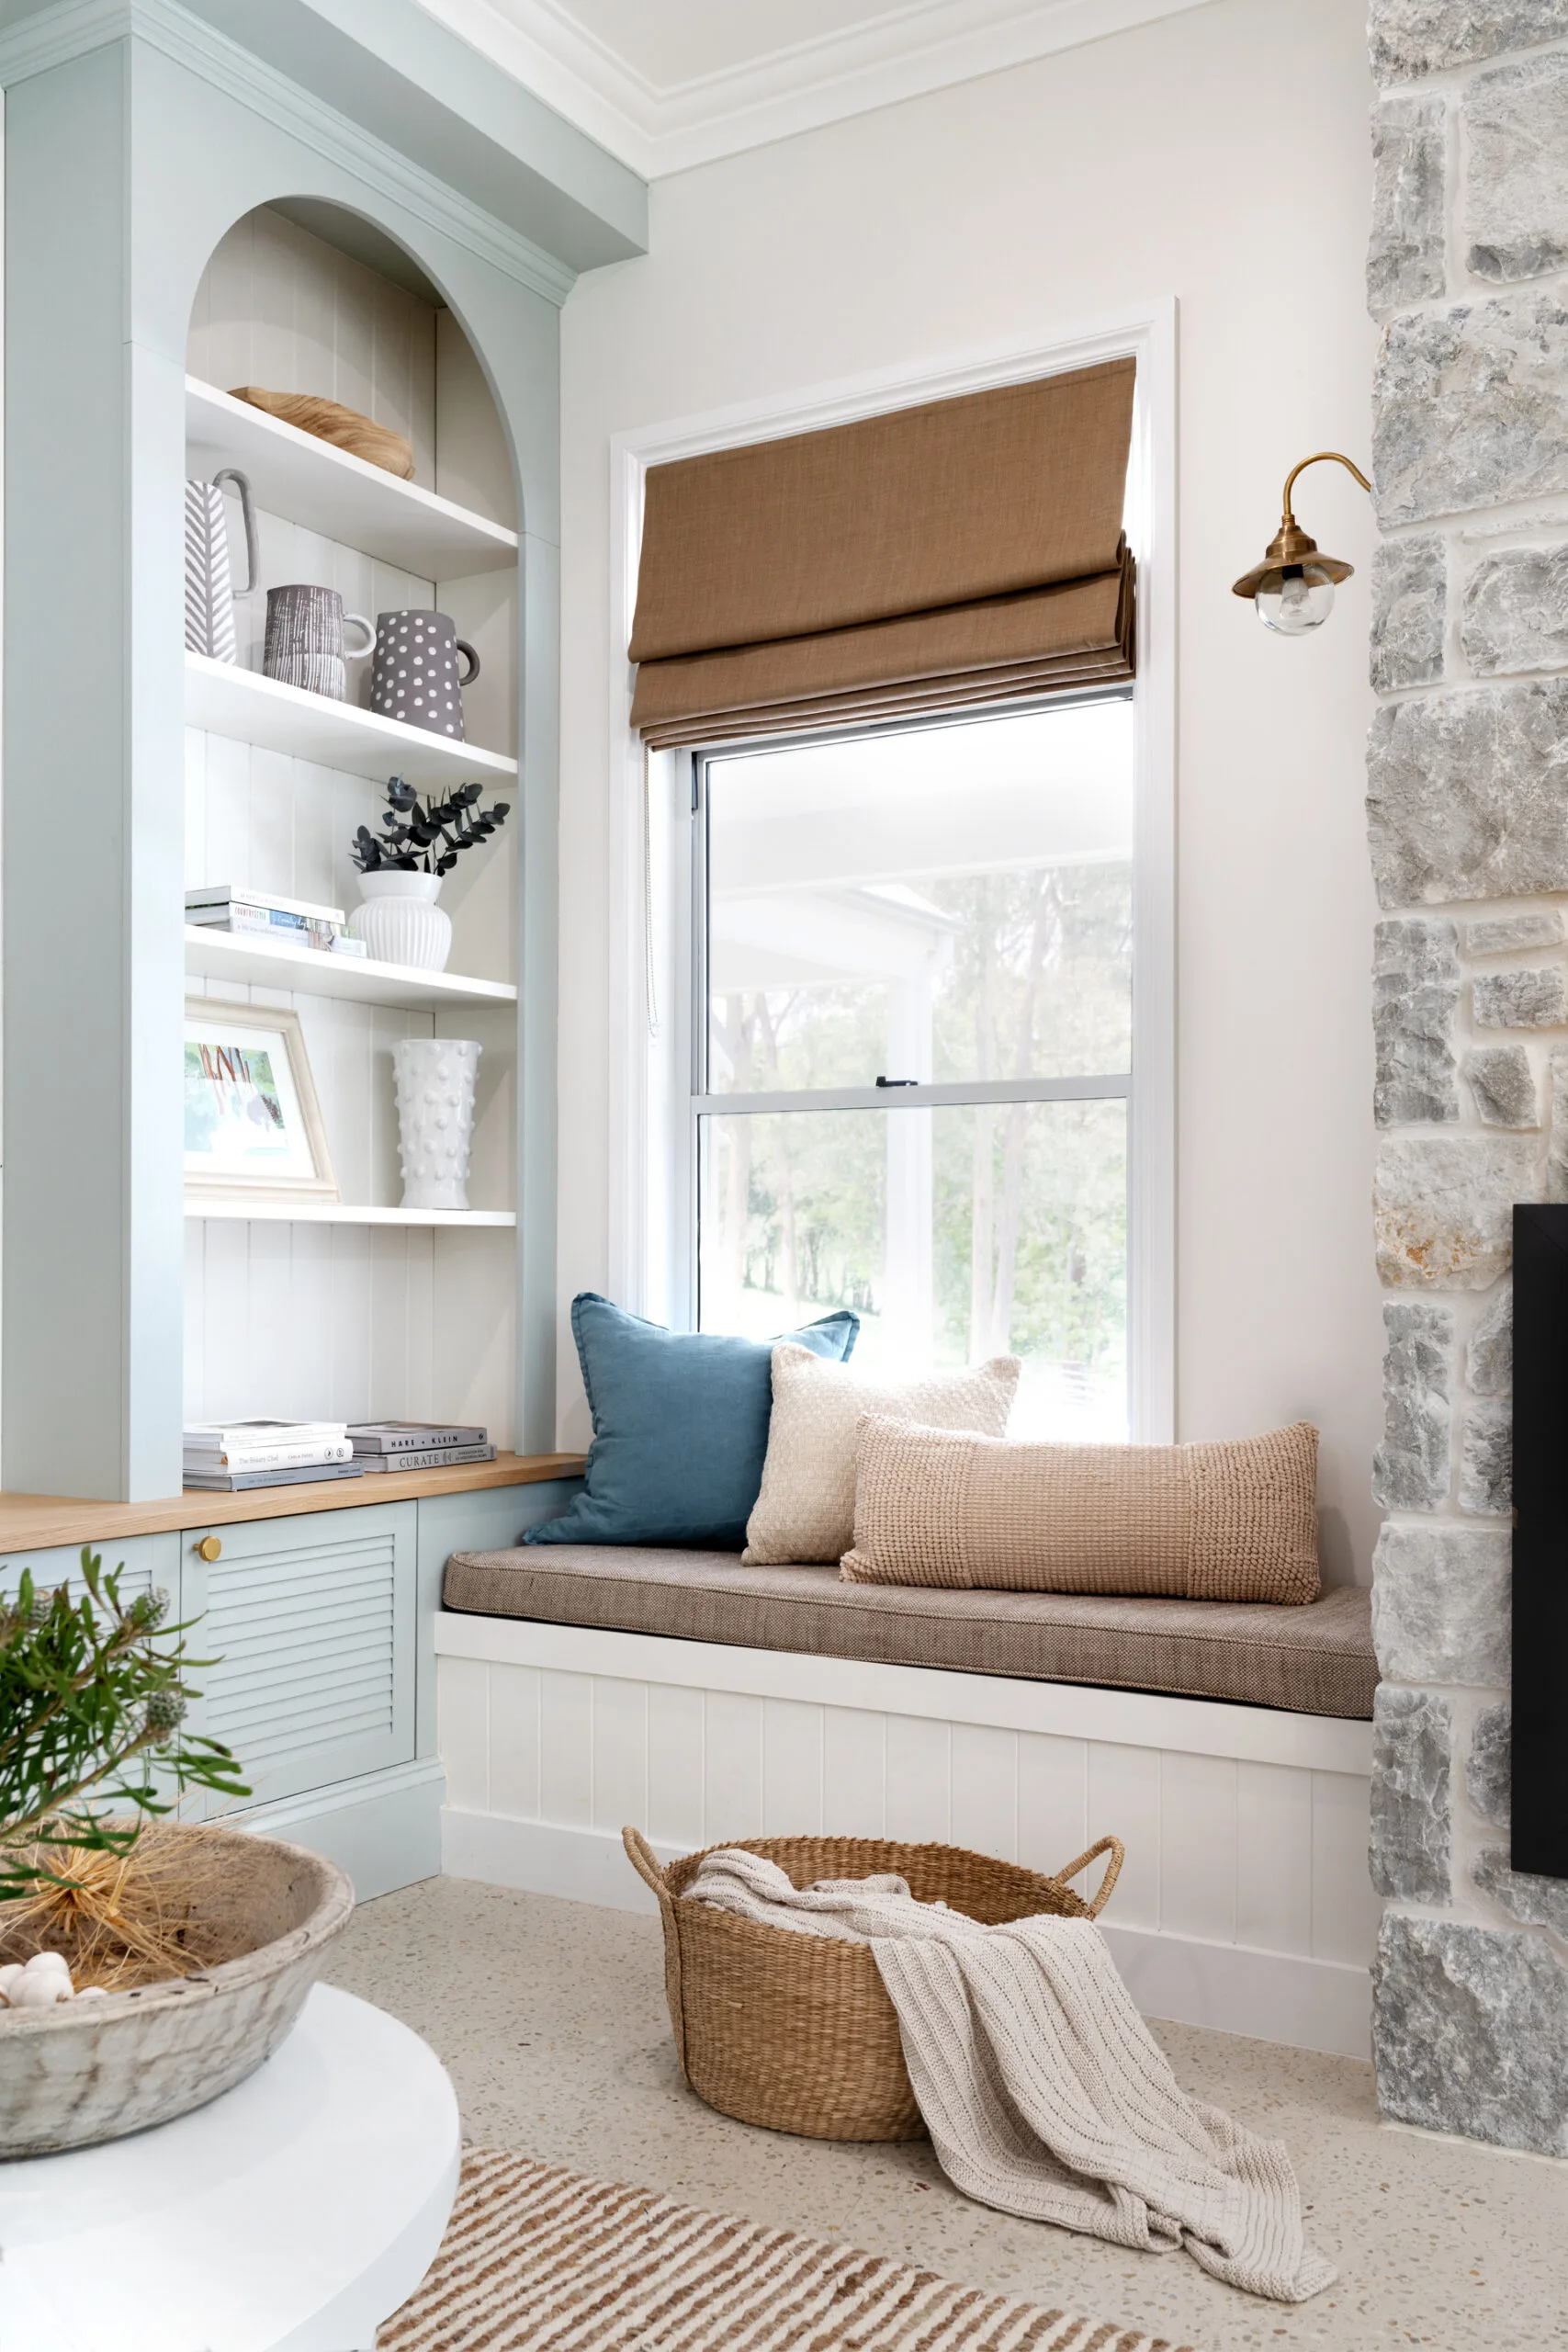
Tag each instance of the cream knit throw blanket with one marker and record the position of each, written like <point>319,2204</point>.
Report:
<point>1043,2089</point>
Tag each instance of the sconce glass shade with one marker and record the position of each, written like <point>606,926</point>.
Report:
<point>1294,597</point>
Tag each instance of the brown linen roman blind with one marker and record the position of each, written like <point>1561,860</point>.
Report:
<point>962,551</point>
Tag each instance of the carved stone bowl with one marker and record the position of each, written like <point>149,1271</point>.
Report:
<point>95,2069</point>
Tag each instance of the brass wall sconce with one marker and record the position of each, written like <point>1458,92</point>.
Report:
<point>1292,588</point>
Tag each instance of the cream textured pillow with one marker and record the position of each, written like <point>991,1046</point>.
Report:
<point>806,1506</point>
<point>1233,1522</point>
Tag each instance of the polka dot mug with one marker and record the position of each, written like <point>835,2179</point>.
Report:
<point>415,676</point>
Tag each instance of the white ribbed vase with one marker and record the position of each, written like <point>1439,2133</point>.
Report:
<point>435,1118</point>
<point>401,922</point>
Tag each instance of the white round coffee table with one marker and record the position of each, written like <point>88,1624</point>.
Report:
<point>293,2214</point>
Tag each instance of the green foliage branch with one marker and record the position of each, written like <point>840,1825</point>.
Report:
<point>425,837</point>
<point>92,1698</point>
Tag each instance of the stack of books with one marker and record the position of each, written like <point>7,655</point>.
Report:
<point>418,1445</point>
<point>227,1457</point>
<point>263,914</point>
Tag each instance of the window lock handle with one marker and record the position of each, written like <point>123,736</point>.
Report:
<point>897,1081</point>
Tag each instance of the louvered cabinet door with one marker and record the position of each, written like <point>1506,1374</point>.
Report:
<point>142,1564</point>
<point>310,1624</point>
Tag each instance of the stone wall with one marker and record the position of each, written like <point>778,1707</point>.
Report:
<point>1468,810</point>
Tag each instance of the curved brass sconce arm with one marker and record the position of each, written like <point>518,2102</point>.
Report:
<point>1323,458</point>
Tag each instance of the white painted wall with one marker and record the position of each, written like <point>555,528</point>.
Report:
<point>1221,156</point>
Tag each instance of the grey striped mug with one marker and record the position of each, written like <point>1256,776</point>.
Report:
<point>304,639</point>
<point>415,676</point>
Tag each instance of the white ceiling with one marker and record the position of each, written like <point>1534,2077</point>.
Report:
<point>667,83</point>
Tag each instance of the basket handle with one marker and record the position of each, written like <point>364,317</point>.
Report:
<point>646,1863</point>
<point>1118,1853</point>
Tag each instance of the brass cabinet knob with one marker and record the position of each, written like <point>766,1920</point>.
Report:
<point>209,1548</point>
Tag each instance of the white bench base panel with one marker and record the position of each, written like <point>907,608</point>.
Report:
<point>1245,1903</point>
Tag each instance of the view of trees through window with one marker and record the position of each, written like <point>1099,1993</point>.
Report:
<point>950,906</point>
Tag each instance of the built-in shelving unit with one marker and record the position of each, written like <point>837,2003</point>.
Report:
<point>216,954</point>
<point>308,480</point>
<point>280,780</point>
<point>225,699</point>
<point>276,1212</point>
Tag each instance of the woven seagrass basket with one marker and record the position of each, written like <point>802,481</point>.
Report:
<point>796,2032</point>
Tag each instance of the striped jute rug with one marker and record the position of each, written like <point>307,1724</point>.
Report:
<point>536,2260</point>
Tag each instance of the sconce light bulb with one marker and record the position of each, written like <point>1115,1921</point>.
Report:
<point>1296,598</point>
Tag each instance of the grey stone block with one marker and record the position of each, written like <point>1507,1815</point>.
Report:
<point>1511,935</point>
<point>1514,612</point>
<point>1469,2027</point>
<point>1488,1771</point>
<point>1531,997</point>
<point>1440,1605</point>
<point>1470,406</point>
<point>1415,998</point>
<point>1538,1902</point>
<point>1489,1359</point>
<point>1515,210</point>
<point>1486,1459</point>
<point>1409,612</point>
<point>1467,793</point>
<point>1442,1208</point>
<point>1409,37</point>
<point>1406,260</point>
<point>1412,1744</point>
<point>1410,1468</point>
<point>1556,1127</point>
<point>1503,1084</point>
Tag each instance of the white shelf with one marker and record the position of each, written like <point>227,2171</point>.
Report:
<point>227,700</point>
<point>276,1211</point>
<point>216,954</point>
<point>308,480</point>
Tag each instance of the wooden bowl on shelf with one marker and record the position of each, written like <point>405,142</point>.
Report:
<point>330,421</point>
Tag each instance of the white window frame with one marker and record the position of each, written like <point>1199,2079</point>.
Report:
<point>649,1265</point>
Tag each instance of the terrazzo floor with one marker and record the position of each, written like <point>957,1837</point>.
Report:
<point>551,2017</point>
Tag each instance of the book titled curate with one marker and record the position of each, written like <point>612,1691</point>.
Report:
<point>435,1457</point>
<point>237,1482</point>
<point>412,1437</point>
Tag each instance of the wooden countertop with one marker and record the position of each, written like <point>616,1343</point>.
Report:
<point>33,1522</point>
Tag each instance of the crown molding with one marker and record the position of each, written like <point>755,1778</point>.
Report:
<point>903,52</point>
<point>54,36</point>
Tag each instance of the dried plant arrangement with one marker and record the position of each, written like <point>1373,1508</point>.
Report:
<point>425,837</point>
<point>92,1699</point>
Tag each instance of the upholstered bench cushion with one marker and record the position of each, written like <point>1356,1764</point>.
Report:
<point>1315,1658</point>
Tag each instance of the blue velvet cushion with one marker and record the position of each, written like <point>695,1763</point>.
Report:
<point>680,1427</point>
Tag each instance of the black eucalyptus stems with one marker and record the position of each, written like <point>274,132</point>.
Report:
<point>428,838</point>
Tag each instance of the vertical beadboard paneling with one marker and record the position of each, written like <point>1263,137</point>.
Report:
<point>1123,1799</point>
<point>278,307</point>
<point>919,1779</point>
<point>566,1750</point>
<point>1273,1857</point>
<point>984,1814</point>
<point>620,1755</point>
<point>792,1769</point>
<point>854,1773</point>
<point>732,1766</point>
<point>467,1734</point>
<point>1198,1823</point>
<point>675,1767</point>
<point>1345,1911</point>
<point>1052,1801</point>
<point>515,1707</point>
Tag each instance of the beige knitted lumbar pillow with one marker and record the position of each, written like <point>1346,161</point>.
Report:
<point>806,1506</point>
<point>1231,1521</point>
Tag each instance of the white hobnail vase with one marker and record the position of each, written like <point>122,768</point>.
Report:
<point>400,922</point>
<point>435,1118</point>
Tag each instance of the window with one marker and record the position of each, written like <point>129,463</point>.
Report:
<point>912,1045</point>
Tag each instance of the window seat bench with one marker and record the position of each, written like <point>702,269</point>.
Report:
<point>1314,1659</point>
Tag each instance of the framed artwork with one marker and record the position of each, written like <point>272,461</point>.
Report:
<point>252,1124</point>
